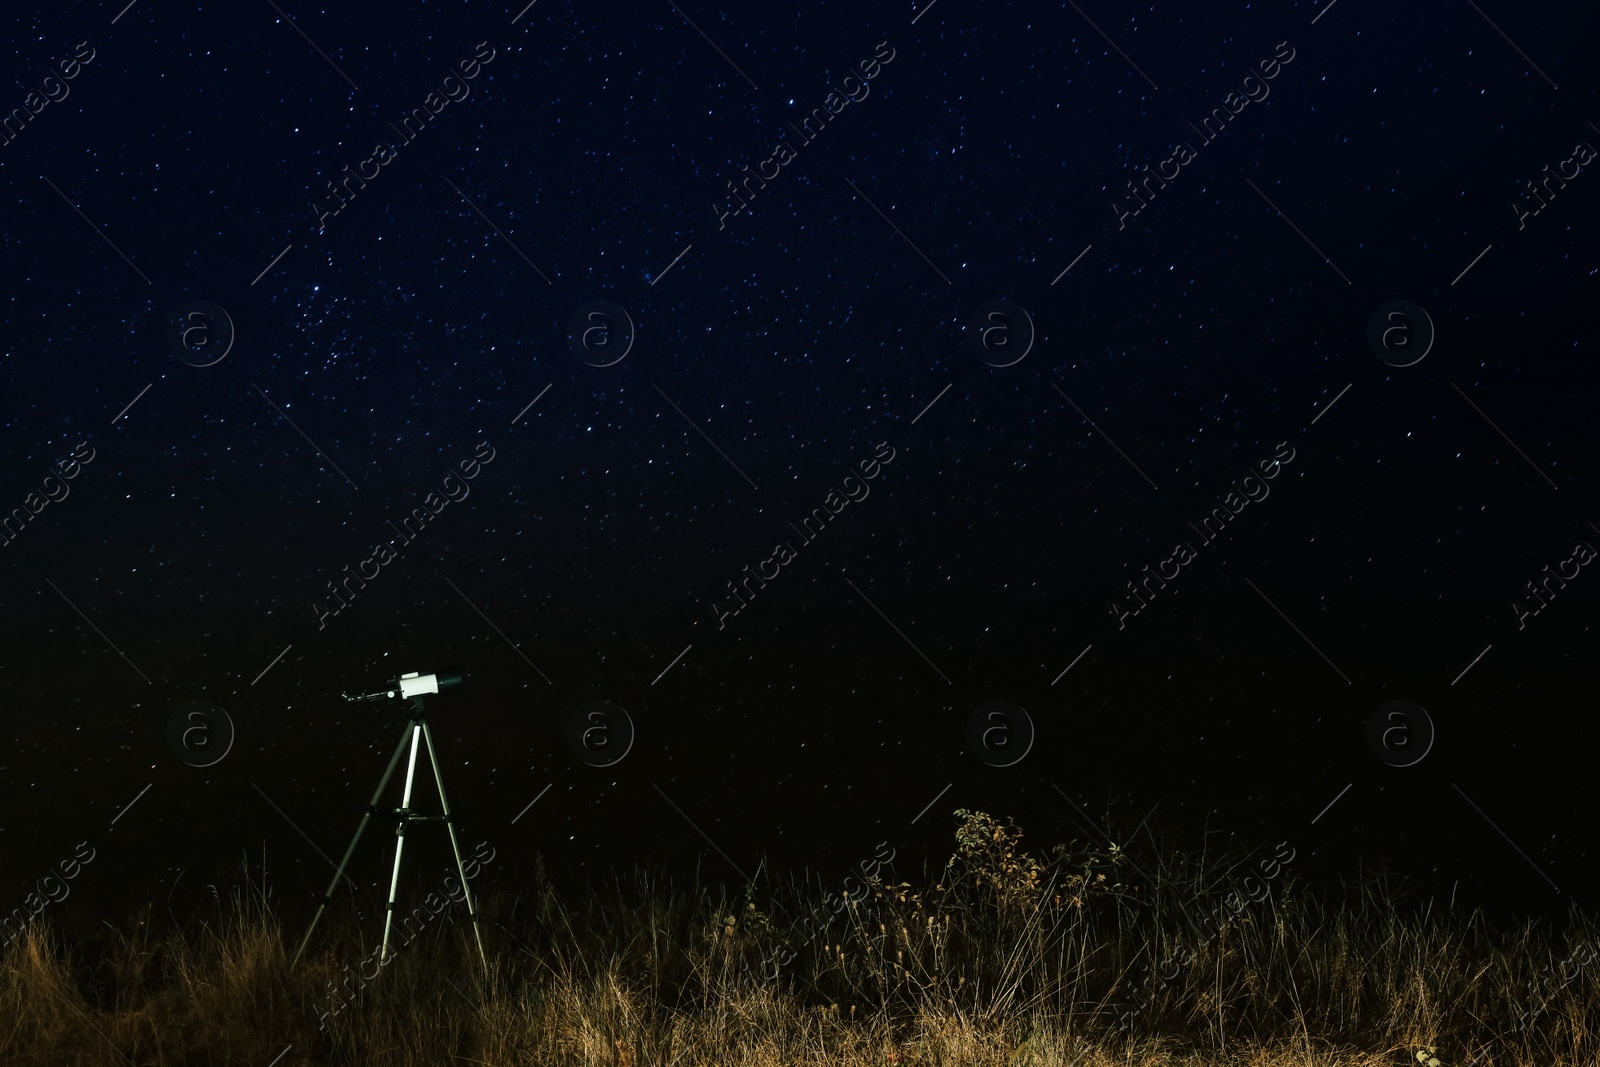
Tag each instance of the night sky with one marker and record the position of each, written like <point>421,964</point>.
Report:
<point>799,381</point>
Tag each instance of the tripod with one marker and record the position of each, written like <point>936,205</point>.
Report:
<point>415,731</point>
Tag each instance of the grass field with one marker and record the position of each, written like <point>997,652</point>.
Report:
<point>1081,954</point>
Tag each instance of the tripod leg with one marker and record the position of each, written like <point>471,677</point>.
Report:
<point>377,794</point>
<point>450,824</point>
<point>400,840</point>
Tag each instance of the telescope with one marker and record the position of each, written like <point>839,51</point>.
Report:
<point>412,685</point>
<point>416,736</point>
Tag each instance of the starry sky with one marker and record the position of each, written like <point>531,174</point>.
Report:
<point>1005,300</point>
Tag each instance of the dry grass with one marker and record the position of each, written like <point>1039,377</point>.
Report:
<point>1006,959</point>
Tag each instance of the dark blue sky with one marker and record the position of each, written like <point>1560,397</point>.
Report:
<point>432,312</point>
